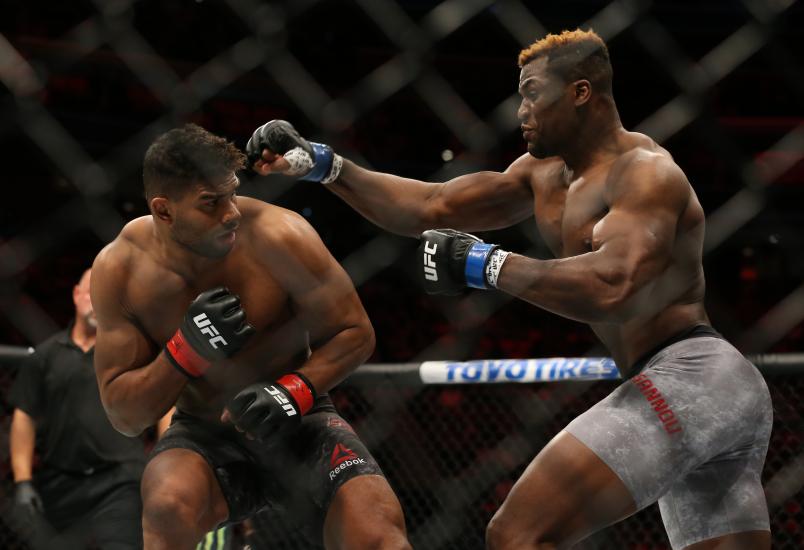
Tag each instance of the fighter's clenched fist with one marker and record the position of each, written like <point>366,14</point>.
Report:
<point>269,409</point>
<point>453,260</point>
<point>276,146</point>
<point>213,328</point>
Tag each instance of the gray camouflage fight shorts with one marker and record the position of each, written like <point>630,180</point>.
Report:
<point>690,430</point>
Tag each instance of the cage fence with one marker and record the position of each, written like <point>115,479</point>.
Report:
<point>396,85</point>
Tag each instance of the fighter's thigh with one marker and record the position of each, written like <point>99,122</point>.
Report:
<point>720,504</point>
<point>566,493</point>
<point>180,482</point>
<point>365,513</point>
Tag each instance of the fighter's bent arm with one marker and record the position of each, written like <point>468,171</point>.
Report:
<point>472,202</point>
<point>136,389</point>
<point>326,304</point>
<point>632,245</point>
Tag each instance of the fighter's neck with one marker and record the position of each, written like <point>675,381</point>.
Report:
<point>598,141</point>
<point>181,260</point>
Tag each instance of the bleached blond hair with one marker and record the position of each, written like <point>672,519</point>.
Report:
<point>573,55</point>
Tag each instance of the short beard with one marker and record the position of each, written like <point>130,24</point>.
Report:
<point>200,248</point>
<point>539,151</point>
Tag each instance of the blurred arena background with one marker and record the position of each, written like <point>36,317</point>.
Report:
<point>425,89</point>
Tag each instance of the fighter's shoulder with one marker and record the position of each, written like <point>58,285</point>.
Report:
<point>275,227</point>
<point>534,171</point>
<point>648,167</point>
<point>647,156</point>
<point>527,164</point>
<point>118,255</point>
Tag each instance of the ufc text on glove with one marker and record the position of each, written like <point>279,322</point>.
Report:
<point>452,260</point>
<point>213,328</point>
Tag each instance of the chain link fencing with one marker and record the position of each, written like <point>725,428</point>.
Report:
<point>424,89</point>
<point>453,453</point>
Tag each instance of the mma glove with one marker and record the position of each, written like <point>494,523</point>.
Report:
<point>214,328</point>
<point>27,498</point>
<point>308,161</point>
<point>268,410</point>
<point>452,260</point>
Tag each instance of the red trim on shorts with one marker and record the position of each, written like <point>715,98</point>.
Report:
<point>185,357</point>
<point>299,391</point>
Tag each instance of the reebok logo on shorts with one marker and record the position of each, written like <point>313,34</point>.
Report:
<point>666,415</point>
<point>342,458</point>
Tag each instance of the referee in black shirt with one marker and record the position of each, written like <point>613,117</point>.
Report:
<point>86,488</point>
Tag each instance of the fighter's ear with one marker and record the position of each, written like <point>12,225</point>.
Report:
<point>161,208</point>
<point>583,91</point>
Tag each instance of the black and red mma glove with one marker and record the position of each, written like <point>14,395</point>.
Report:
<point>267,410</point>
<point>214,328</point>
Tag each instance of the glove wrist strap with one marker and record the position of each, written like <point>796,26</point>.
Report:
<point>323,157</point>
<point>184,358</point>
<point>494,266</point>
<point>337,164</point>
<point>475,268</point>
<point>300,389</point>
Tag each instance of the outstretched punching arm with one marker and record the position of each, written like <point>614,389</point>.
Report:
<point>631,246</point>
<point>472,202</point>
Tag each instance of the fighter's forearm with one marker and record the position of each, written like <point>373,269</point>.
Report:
<point>578,288</point>
<point>332,362</point>
<point>136,399</point>
<point>399,205</point>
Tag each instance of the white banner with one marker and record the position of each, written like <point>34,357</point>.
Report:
<point>551,369</point>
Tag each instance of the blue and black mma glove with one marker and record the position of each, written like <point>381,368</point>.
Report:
<point>452,260</point>
<point>308,161</point>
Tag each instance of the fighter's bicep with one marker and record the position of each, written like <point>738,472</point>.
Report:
<point>320,289</point>
<point>119,348</point>
<point>485,200</point>
<point>634,241</point>
<point>119,345</point>
<point>332,306</point>
<point>641,224</point>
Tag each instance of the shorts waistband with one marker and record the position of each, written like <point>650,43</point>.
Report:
<point>322,402</point>
<point>696,331</point>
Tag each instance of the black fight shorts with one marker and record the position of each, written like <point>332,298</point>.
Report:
<point>293,478</point>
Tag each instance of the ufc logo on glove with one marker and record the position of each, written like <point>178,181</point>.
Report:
<point>281,399</point>
<point>206,326</point>
<point>429,265</point>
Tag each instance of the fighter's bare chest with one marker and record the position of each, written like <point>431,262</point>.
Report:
<point>160,306</point>
<point>566,214</point>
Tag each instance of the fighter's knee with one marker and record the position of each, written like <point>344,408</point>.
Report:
<point>388,533</point>
<point>353,525</point>
<point>384,532</point>
<point>169,507</point>
<point>172,505</point>
<point>504,534</point>
<point>497,534</point>
<point>378,538</point>
<point>179,492</point>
